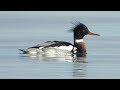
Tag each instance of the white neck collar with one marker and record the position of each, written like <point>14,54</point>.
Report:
<point>79,40</point>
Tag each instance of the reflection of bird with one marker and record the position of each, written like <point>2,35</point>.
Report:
<point>79,70</point>
<point>62,47</point>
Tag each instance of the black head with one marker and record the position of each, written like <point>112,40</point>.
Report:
<point>80,30</point>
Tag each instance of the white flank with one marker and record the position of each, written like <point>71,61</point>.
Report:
<point>58,51</point>
<point>61,51</point>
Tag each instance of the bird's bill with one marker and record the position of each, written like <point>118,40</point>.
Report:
<point>90,33</point>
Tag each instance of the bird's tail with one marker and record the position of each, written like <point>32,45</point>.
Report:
<point>23,51</point>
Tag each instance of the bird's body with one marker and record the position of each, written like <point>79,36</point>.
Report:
<point>51,48</point>
<point>62,48</point>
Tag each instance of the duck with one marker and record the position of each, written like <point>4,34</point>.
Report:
<point>63,48</point>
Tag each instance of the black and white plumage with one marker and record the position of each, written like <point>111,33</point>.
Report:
<point>62,48</point>
<point>51,48</point>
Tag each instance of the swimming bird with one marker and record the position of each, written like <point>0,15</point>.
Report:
<point>63,48</point>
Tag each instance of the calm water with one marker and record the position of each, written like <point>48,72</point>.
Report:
<point>24,29</point>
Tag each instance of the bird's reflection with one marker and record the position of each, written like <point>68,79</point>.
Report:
<point>48,58</point>
<point>55,58</point>
<point>79,67</point>
<point>79,63</point>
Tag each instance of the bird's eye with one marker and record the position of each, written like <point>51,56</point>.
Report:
<point>83,30</point>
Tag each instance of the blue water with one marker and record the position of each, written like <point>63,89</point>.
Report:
<point>22,29</point>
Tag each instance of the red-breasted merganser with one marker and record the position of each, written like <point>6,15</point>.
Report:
<point>62,47</point>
